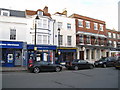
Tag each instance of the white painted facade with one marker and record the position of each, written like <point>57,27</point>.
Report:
<point>64,31</point>
<point>44,29</point>
<point>10,22</point>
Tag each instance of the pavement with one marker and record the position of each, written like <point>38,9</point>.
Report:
<point>13,69</point>
<point>16,69</point>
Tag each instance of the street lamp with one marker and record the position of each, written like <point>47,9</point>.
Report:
<point>59,45</point>
<point>35,47</point>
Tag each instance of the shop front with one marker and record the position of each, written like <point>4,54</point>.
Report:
<point>12,54</point>
<point>66,54</point>
<point>43,53</point>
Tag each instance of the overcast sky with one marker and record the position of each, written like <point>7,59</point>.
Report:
<point>106,10</point>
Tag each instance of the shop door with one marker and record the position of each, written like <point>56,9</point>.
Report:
<point>81,55</point>
<point>18,58</point>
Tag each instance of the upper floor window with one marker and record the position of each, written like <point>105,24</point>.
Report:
<point>68,26</point>
<point>109,34</point>
<point>88,24</point>
<point>95,26</point>
<point>101,27</point>
<point>44,23</point>
<point>40,23</point>
<point>69,39</point>
<point>114,35</point>
<point>88,39</point>
<point>80,23</point>
<point>5,13</point>
<point>81,37</point>
<point>60,25</point>
<point>12,34</point>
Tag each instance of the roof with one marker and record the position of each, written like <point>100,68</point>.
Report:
<point>31,12</point>
<point>15,13</point>
<point>87,18</point>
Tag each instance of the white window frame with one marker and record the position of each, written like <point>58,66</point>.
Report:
<point>114,35</point>
<point>45,24</point>
<point>109,34</point>
<point>80,23</point>
<point>101,27</point>
<point>95,26</point>
<point>87,23</point>
<point>4,11</point>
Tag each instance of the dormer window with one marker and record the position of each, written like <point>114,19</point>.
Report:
<point>5,13</point>
<point>40,13</point>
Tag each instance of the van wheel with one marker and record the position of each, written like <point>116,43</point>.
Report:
<point>36,70</point>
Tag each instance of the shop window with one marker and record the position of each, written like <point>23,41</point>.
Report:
<point>12,34</point>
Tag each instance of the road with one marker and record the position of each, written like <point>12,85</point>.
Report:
<point>88,78</point>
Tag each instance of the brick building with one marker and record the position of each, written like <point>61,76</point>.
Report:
<point>91,38</point>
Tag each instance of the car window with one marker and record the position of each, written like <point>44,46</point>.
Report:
<point>83,61</point>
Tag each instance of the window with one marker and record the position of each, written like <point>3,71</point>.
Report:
<point>87,24</point>
<point>115,44</point>
<point>44,23</point>
<point>109,34</point>
<point>12,34</point>
<point>68,26</point>
<point>40,13</point>
<point>5,13</point>
<point>101,27</point>
<point>69,40</point>
<point>80,23</point>
<point>40,23</point>
<point>61,40</point>
<point>81,38</point>
<point>60,25</point>
<point>87,54</point>
<point>39,39</point>
<point>95,26</point>
<point>96,40</point>
<point>114,35</point>
<point>45,39</point>
<point>88,39</point>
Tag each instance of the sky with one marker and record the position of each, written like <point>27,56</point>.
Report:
<point>105,10</point>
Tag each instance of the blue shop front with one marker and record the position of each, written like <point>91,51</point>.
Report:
<point>12,54</point>
<point>43,52</point>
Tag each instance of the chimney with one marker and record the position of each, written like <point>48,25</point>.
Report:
<point>64,12</point>
<point>45,10</point>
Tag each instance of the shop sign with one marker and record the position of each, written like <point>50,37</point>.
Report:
<point>8,44</point>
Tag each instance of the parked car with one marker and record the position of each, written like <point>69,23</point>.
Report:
<point>79,64</point>
<point>105,62</point>
<point>117,63</point>
<point>39,66</point>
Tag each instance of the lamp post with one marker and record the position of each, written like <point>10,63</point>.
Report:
<point>35,47</point>
<point>59,45</point>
